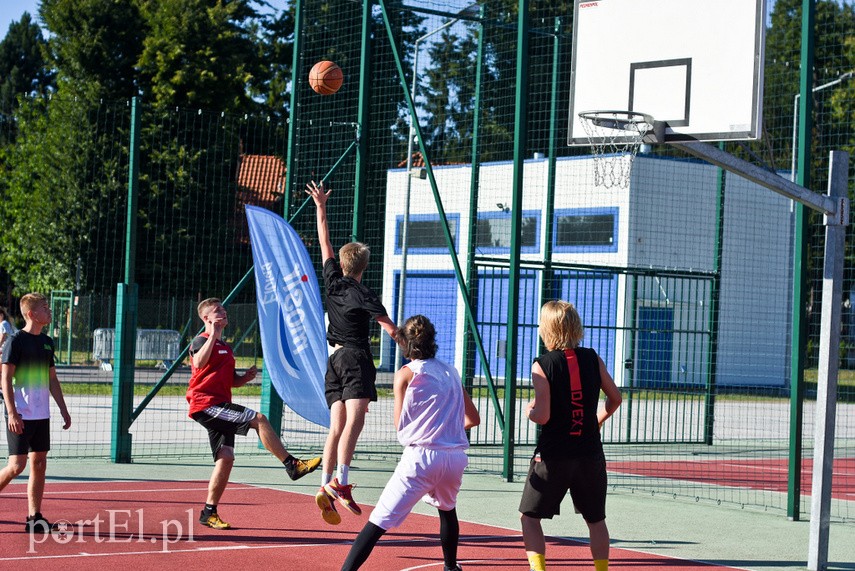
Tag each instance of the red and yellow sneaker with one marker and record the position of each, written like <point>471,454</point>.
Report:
<point>327,504</point>
<point>343,493</point>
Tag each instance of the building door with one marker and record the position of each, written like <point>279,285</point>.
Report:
<point>655,337</point>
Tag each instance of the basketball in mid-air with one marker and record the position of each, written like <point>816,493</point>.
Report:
<point>326,77</point>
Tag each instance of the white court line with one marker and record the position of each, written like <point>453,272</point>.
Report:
<point>238,547</point>
<point>347,542</point>
<point>49,492</point>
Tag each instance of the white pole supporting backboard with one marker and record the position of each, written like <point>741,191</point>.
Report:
<point>829,349</point>
<point>835,207</point>
<point>696,65</point>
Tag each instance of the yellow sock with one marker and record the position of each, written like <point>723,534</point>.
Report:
<point>537,561</point>
<point>601,564</point>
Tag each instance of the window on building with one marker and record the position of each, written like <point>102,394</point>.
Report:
<point>586,230</point>
<point>493,233</point>
<point>425,234</point>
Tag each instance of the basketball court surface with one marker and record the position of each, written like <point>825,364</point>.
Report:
<point>154,524</point>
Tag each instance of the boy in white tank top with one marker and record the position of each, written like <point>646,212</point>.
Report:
<point>432,414</point>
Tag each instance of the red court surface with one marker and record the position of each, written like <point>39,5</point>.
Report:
<point>147,525</point>
<point>756,474</point>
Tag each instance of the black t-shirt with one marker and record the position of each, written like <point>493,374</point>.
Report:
<point>351,306</point>
<point>569,434</point>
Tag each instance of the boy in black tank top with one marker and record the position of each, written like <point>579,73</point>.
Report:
<point>569,456</point>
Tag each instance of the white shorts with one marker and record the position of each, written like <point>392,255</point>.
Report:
<point>433,476</point>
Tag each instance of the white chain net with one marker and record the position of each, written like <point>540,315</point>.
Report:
<point>614,138</point>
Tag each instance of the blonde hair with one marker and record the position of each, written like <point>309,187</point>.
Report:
<point>353,258</point>
<point>206,304</point>
<point>560,326</point>
<point>419,337</point>
<point>29,301</point>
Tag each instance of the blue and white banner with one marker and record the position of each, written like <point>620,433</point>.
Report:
<point>290,315</point>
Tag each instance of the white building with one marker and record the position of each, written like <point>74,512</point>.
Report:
<point>639,263</point>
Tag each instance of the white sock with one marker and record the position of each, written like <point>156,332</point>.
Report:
<point>343,470</point>
<point>325,479</point>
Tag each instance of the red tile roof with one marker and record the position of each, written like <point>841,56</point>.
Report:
<point>261,180</point>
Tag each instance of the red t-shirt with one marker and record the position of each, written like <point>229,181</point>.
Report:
<point>212,384</point>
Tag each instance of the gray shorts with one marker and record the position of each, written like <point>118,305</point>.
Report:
<point>223,421</point>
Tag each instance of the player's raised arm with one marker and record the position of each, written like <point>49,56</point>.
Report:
<point>320,196</point>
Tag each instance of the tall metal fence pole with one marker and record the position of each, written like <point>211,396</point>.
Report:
<point>520,140</point>
<point>829,353</point>
<point>271,403</point>
<point>800,264</point>
<point>363,111</point>
<point>474,186</point>
<point>127,295</point>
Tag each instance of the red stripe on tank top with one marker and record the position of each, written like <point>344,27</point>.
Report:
<point>577,410</point>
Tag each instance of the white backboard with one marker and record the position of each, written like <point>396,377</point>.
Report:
<point>695,64</point>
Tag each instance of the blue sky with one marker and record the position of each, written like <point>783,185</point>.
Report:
<point>11,10</point>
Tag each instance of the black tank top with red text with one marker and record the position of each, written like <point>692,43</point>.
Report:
<point>572,429</point>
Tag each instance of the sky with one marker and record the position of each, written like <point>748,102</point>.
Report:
<point>11,10</point>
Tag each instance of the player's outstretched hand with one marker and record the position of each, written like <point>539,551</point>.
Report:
<point>318,193</point>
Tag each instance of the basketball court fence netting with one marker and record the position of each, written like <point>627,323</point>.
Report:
<point>678,257</point>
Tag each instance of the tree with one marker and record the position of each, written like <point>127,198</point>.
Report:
<point>199,54</point>
<point>22,64</point>
<point>51,204</point>
<point>94,46</point>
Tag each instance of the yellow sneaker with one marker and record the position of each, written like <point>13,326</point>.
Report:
<point>297,468</point>
<point>214,522</point>
<point>327,505</point>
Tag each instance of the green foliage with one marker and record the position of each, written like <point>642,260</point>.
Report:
<point>22,65</point>
<point>94,46</point>
<point>198,53</point>
<point>47,209</point>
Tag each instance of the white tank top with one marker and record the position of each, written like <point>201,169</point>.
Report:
<point>432,415</point>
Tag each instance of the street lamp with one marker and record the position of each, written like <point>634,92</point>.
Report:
<point>469,11</point>
<point>839,80</point>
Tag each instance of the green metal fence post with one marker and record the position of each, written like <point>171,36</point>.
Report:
<point>547,287</point>
<point>715,290</point>
<point>474,183</point>
<point>520,130</point>
<point>362,153</point>
<point>458,273</point>
<point>271,402</point>
<point>125,340</point>
<point>800,263</point>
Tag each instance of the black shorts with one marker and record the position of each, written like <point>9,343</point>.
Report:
<point>223,421</point>
<point>548,481</point>
<point>350,375</point>
<point>35,438</point>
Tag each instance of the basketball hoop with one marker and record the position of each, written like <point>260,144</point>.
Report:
<point>615,137</point>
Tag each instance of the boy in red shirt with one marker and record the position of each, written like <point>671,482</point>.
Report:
<point>210,396</point>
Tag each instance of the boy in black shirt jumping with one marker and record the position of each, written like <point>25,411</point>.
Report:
<point>350,377</point>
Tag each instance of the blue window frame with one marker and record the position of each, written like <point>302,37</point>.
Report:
<point>585,230</point>
<point>493,234</point>
<point>425,234</point>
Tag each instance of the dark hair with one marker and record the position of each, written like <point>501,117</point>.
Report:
<point>420,337</point>
<point>4,313</point>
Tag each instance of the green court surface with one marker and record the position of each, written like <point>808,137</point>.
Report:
<point>740,538</point>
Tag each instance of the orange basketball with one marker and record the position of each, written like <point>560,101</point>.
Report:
<point>326,77</point>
